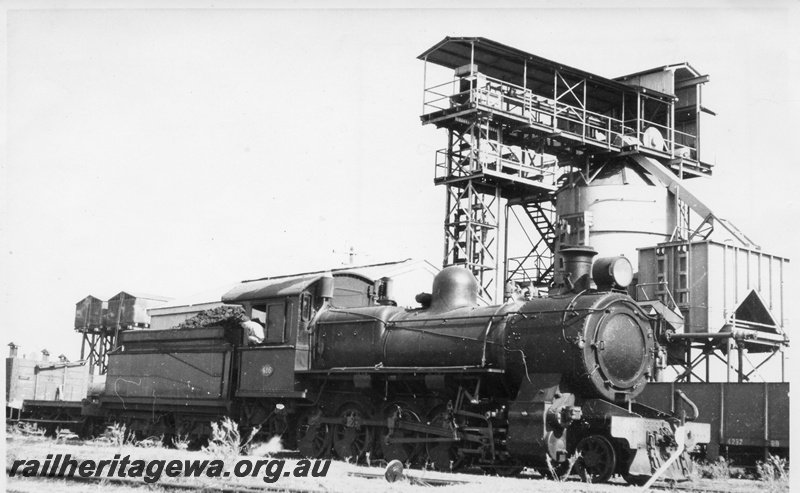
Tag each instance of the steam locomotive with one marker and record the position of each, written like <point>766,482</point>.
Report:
<point>545,382</point>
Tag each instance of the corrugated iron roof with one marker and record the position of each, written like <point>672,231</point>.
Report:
<point>674,67</point>
<point>270,288</point>
<point>90,297</point>
<point>290,285</point>
<point>143,296</point>
<point>506,63</point>
<point>352,269</point>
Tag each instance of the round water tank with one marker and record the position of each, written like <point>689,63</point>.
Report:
<point>629,209</point>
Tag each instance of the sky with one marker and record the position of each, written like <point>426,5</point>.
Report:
<point>173,150</point>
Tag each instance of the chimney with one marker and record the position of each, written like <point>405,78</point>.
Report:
<point>576,268</point>
<point>12,350</point>
<point>45,355</point>
<point>63,358</point>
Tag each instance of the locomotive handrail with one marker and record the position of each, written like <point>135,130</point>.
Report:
<point>486,333</point>
<point>685,398</point>
<point>389,369</point>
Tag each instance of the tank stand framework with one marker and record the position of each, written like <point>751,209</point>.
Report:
<point>471,232</point>
<point>491,182</point>
<point>96,343</point>
<point>722,348</point>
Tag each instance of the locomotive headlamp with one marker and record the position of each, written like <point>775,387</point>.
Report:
<point>611,272</point>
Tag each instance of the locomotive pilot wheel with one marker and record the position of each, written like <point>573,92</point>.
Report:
<point>352,438</point>
<point>597,461</point>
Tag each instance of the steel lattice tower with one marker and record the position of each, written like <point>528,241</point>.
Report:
<point>517,126</point>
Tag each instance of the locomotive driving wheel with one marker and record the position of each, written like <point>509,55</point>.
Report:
<point>397,443</point>
<point>313,436</point>
<point>444,454</point>
<point>597,461</point>
<point>352,439</point>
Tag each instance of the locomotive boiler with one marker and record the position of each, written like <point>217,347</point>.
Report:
<point>600,343</point>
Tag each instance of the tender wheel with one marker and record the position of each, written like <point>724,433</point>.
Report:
<point>443,455</point>
<point>400,450</point>
<point>352,438</point>
<point>313,437</point>
<point>598,460</point>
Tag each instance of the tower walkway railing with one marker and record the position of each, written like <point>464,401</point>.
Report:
<point>557,118</point>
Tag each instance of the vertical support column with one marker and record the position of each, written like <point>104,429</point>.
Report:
<point>555,99</point>
<point>499,238</point>
<point>424,83</point>
<point>698,116</point>
<point>639,104</point>
<point>729,343</point>
<point>741,361</point>
<point>689,362</point>
<point>448,239</point>
<point>722,439</point>
<point>83,343</point>
<point>671,127</point>
<point>506,276</point>
<point>766,421</point>
<point>585,118</point>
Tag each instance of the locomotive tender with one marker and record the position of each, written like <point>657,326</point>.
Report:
<point>529,383</point>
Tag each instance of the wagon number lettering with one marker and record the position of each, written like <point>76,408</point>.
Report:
<point>736,441</point>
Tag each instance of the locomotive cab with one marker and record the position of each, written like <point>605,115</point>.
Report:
<point>286,307</point>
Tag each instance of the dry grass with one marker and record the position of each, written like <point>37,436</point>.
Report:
<point>21,446</point>
<point>775,472</point>
<point>226,441</point>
